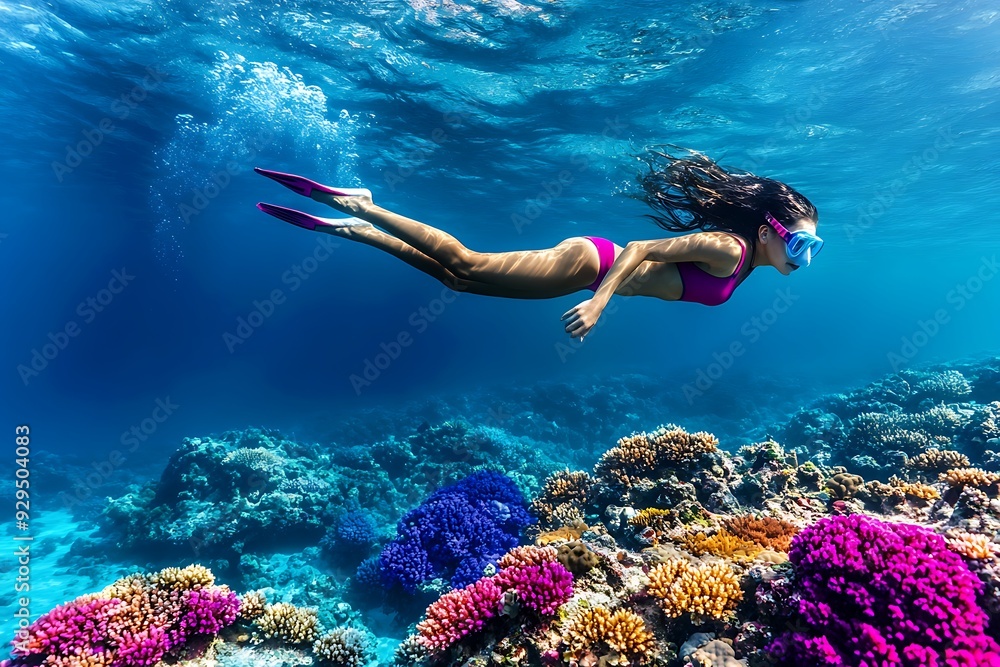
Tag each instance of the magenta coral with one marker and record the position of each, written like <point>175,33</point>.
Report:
<point>874,593</point>
<point>80,626</point>
<point>542,588</point>
<point>459,613</point>
<point>209,610</point>
<point>135,630</point>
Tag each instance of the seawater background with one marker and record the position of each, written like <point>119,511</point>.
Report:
<point>884,114</point>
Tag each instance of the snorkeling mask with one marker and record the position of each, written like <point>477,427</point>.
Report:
<point>800,246</point>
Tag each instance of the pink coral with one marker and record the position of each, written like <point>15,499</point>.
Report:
<point>459,613</point>
<point>542,587</point>
<point>76,627</point>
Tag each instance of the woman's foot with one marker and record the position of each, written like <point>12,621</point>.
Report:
<point>351,200</point>
<point>338,226</point>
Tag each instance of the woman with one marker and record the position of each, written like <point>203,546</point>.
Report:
<point>734,213</point>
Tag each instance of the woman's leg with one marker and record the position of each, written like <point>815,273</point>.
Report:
<point>567,267</point>
<point>369,235</point>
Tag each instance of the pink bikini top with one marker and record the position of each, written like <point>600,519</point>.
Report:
<point>699,286</point>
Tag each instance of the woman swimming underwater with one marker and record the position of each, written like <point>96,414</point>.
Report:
<point>732,213</point>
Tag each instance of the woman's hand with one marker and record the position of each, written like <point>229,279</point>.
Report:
<point>581,318</point>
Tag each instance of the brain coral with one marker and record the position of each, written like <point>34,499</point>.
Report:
<point>875,593</point>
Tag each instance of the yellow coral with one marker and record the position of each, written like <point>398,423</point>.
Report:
<point>252,605</point>
<point>708,590</point>
<point>722,543</point>
<point>657,519</point>
<point>642,454</point>
<point>288,623</point>
<point>192,577</point>
<point>975,477</point>
<point>597,630</point>
<point>938,460</point>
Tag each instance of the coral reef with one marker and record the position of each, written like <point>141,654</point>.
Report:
<point>137,620</point>
<point>457,532</point>
<point>707,590</point>
<point>850,571</point>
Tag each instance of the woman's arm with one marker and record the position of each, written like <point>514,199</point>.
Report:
<point>698,247</point>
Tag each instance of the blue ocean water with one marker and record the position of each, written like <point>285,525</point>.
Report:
<point>148,300</point>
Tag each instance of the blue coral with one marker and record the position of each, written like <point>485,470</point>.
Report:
<point>456,533</point>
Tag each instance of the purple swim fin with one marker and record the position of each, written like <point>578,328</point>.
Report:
<point>305,219</point>
<point>304,186</point>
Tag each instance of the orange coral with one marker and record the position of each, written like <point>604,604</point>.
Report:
<point>599,631</point>
<point>642,455</point>
<point>975,477</point>
<point>972,546</point>
<point>564,534</point>
<point>765,531</point>
<point>722,543</point>
<point>708,590</point>
<point>897,489</point>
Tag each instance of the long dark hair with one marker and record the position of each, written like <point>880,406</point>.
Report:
<point>694,193</point>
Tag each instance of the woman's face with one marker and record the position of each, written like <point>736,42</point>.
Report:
<point>774,246</point>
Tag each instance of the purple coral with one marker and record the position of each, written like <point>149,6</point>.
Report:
<point>874,593</point>
<point>209,610</point>
<point>456,532</point>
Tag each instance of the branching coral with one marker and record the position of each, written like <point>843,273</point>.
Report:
<point>541,587</point>
<point>599,631</point>
<point>937,460</point>
<point>874,593</point>
<point>288,623</point>
<point>528,555</point>
<point>974,477</point>
<point>457,532</point>
<point>649,455</point>
<point>344,647</point>
<point>659,520</point>
<point>136,621</point>
<point>897,490</point>
<point>707,590</point>
<point>722,543</point>
<point>972,546</point>
<point>252,605</point>
<point>459,613</point>
<point>564,497</point>
<point>766,531</point>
